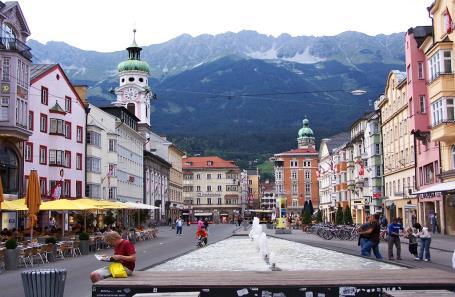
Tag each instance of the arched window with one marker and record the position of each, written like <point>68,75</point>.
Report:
<point>9,170</point>
<point>131,108</point>
<point>453,156</point>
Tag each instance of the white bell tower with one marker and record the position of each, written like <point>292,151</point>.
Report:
<point>133,92</point>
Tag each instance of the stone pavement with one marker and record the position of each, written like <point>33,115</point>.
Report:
<point>442,248</point>
<point>149,253</point>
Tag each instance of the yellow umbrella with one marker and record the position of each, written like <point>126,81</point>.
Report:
<point>65,204</point>
<point>33,199</point>
<point>13,205</point>
<point>1,192</point>
<point>104,204</point>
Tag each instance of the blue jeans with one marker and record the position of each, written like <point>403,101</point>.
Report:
<point>179,230</point>
<point>366,249</point>
<point>424,247</point>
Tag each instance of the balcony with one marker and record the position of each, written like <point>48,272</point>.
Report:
<point>350,164</point>
<point>15,45</point>
<point>343,166</point>
<point>444,83</point>
<point>447,174</point>
<point>443,130</point>
<point>359,181</point>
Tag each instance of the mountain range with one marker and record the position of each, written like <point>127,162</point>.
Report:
<point>243,95</point>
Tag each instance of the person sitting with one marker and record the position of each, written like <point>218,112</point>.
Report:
<point>124,253</point>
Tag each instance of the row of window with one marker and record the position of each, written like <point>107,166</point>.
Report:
<point>45,99</point>
<point>66,187</point>
<point>400,187</point>
<point>198,176</point>
<point>295,163</point>
<point>94,138</point>
<point>56,127</point>
<point>94,191</point>
<point>229,188</point>
<point>219,201</point>
<point>442,111</point>
<point>51,157</point>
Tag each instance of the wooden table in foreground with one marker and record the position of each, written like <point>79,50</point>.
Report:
<point>359,283</point>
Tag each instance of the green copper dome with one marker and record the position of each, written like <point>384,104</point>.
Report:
<point>133,65</point>
<point>306,130</point>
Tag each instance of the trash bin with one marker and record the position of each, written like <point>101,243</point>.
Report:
<point>44,282</point>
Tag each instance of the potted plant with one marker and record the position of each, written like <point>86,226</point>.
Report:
<point>84,239</point>
<point>53,241</point>
<point>11,254</point>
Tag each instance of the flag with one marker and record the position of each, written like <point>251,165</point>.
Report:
<point>448,21</point>
<point>56,190</point>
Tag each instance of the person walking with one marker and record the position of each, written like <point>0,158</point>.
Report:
<point>425,241</point>
<point>206,224</point>
<point>434,223</point>
<point>393,238</point>
<point>179,226</point>
<point>363,238</point>
<point>372,243</point>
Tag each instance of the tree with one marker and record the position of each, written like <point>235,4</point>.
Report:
<point>144,215</point>
<point>109,218</point>
<point>347,216</point>
<point>339,215</point>
<point>319,216</point>
<point>306,218</point>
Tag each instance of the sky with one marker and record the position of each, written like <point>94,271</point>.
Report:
<point>106,25</point>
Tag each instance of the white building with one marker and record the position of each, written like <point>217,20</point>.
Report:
<point>130,144</point>
<point>102,157</point>
<point>56,148</point>
<point>327,177</point>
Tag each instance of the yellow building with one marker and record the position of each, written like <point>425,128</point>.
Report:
<point>254,191</point>
<point>398,150</point>
<point>438,50</point>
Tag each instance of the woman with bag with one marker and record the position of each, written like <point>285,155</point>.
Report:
<point>124,258</point>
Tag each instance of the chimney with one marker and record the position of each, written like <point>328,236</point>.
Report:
<point>81,91</point>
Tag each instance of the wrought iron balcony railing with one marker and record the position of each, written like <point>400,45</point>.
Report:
<point>13,44</point>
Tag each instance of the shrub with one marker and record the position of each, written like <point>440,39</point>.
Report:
<point>339,215</point>
<point>347,216</point>
<point>306,218</point>
<point>84,236</point>
<point>11,244</point>
<point>319,216</point>
<point>51,239</point>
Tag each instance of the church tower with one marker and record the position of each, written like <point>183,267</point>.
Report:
<point>133,91</point>
<point>306,137</point>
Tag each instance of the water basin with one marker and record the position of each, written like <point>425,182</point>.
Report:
<point>240,254</point>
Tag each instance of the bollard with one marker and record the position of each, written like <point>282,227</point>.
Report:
<point>44,282</point>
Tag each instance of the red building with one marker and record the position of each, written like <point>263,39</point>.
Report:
<point>296,172</point>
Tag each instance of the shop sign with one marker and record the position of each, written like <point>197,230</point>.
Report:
<point>431,196</point>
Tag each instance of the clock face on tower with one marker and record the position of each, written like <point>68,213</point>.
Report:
<point>130,93</point>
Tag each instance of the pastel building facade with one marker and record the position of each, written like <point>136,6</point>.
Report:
<point>426,151</point>
<point>398,150</point>
<point>15,59</point>
<point>102,158</point>
<point>438,50</point>
<point>326,174</point>
<point>56,149</point>
<point>296,172</point>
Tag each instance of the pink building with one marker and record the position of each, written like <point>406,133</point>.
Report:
<point>427,152</point>
<point>57,120</point>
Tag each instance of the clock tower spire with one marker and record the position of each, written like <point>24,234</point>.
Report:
<point>133,91</point>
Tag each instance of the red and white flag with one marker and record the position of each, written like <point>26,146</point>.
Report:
<point>56,190</point>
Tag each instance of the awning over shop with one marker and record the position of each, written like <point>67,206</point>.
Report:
<point>442,187</point>
<point>202,214</point>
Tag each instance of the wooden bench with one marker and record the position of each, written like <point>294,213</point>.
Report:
<point>176,294</point>
<point>420,293</point>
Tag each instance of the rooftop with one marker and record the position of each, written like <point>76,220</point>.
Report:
<point>207,162</point>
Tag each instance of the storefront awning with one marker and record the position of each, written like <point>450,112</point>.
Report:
<point>442,187</point>
<point>202,214</point>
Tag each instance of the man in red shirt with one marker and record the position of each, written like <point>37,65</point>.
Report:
<point>124,253</point>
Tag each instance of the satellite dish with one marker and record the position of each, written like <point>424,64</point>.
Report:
<point>358,92</point>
